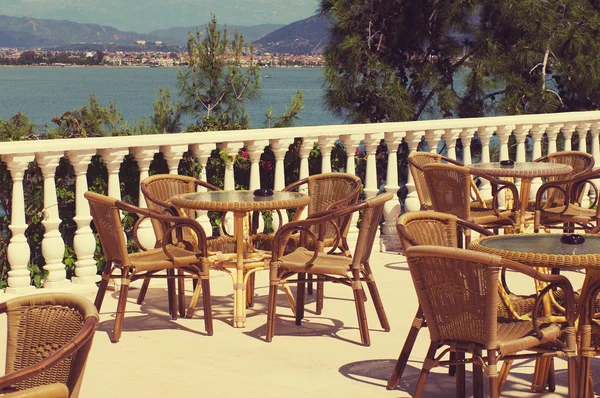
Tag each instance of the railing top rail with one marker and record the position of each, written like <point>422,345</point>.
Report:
<point>58,145</point>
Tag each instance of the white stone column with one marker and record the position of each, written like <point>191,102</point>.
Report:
<point>144,156</point>
<point>411,203</point>
<point>485,133</point>
<point>450,136</point>
<point>521,132</point>
<point>18,253</point>
<point>53,246</point>
<point>552,133</point>
<point>371,144</point>
<point>433,139</point>
<point>202,153</point>
<point>465,139</point>
<point>391,209</point>
<point>255,150</point>
<point>113,159</point>
<point>568,131</point>
<point>582,129</point>
<point>325,145</point>
<point>173,155</point>
<point>594,130</point>
<point>280,148</point>
<point>84,242</point>
<point>351,143</point>
<point>503,136</point>
<point>537,132</point>
<point>230,149</point>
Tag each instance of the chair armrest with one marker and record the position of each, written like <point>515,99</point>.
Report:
<point>55,390</point>
<point>503,184</point>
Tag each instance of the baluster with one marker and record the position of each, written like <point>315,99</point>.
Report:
<point>391,209</point>
<point>521,132</point>
<point>411,203</point>
<point>53,246</point>
<point>450,136</point>
<point>280,148</point>
<point>537,132</point>
<point>144,156</point>
<point>466,136</point>
<point>552,133</point>
<point>351,143</point>
<point>84,241</point>
<point>255,150</point>
<point>18,253</point>
<point>583,128</point>
<point>325,146</point>
<point>594,130</point>
<point>371,144</point>
<point>568,131</point>
<point>173,155</point>
<point>230,149</point>
<point>485,133</point>
<point>433,139</point>
<point>202,153</point>
<point>113,159</point>
<point>503,137</point>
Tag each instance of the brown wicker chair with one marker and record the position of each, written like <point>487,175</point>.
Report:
<point>49,338</point>
<point>457,290</point>
<point>559,204</point>
<point>416,161</point>
<point>329,267</point>
<point>589,327</point>
<point>174,254</point>
<point>581,162</point>
<point>158,191</point>
<point>441,229</point>
<point>453,185</point>
<point>56,390</point>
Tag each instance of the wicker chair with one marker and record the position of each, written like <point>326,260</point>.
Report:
<point>329,267</point>
<point>327,191</point>
<point>559,204</point>
<point>581,162</point>
<point>589,327</point>
<point>457,290</point>
<point>158,191</point>
<point>48,341</point>
<point>174,254</point>
<point>416,161</point>
<point>453,185</point>
<point>441,229</point>
<point>56,390</point>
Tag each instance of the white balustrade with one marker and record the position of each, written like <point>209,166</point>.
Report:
<point>144,156</point>
<point>18,155</point>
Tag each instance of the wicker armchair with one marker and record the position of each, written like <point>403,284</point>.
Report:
<point>589,327</point>
<point>453,186</point>
<point>416,161</point>
<point>457,290</point>
<point>559,204</point>
<point>581,162</point>
<point>48,341</point>
<point>441,229</point>
<point>329,267</point>
<point>158,191</point>
<point>174,254</point>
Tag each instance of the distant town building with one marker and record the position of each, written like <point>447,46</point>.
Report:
<point>141,42</point>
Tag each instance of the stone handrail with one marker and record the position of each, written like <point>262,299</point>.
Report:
<point>17,155</point>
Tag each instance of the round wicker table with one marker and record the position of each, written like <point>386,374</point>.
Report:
<point>546,251</point>
<point>526,171</point>
<point>240,203</point>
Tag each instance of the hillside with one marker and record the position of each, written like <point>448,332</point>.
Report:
<point>179,35</point>
<point>309,35</point>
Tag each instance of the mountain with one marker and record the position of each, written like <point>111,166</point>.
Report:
<point>30,32</point>
<point>180,35</point>
<point>309,35</point>
<point>148,15</point>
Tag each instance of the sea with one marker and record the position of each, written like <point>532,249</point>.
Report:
<point>43,92</point>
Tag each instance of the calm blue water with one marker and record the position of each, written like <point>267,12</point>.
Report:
<point>41,93</point>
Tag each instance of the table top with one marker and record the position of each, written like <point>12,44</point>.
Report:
<point>239,201</point>
<point>542,250</point>
<point>522,169</point>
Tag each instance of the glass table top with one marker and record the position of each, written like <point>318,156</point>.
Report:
<point>239,196</point>
<point>542,243</point>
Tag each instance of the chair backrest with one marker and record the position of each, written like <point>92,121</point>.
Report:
<point>452,185</point>
<point>457,290</point>
<point>427,228</point>
<point>416,161</point>
<point>54,327</point>
<point>369,225</point>
<point>581,162</point>
<point>107,220</point>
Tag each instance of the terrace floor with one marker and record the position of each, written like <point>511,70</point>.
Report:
<point>322,358</point>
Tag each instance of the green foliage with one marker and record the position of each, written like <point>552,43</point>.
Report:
<point>17,128</point>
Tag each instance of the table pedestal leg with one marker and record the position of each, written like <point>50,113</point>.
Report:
<point>525,189</point>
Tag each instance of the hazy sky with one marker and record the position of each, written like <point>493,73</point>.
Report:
<point>143,16</point>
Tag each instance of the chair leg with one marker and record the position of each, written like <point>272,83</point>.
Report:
<point>118,328</point>
<point>452,368</point>
<point>461,390</point>
<point>385,324</point>
<point>207,305</point>
<point>194,301</point>
<point>272,306</point>
<point>493,376</point>
<point>425,371</point>
<point>290,297</point>
<point>172,293</point>
<point>406,349</point>
<point>250,290</point>
<point>503,374</point>
<point>300,298</point>
<point>181,292</point>
<point>361,313</point>
<point>320,295</point>
<point>103,285</point>
<point>143,290</point>
<point>477,376</point>
<point>309,284</point>
<point>551,381</point>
